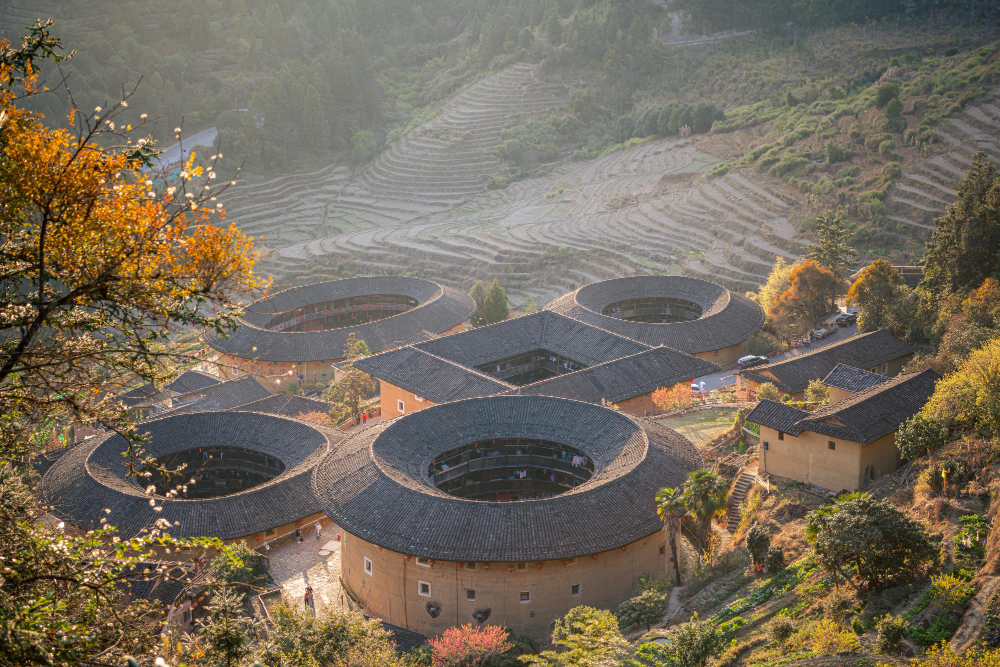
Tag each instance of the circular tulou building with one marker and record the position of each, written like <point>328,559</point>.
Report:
<point>295,335</point>
<point>687,314</point>
<point>251,477</point>
<point>507,509</point>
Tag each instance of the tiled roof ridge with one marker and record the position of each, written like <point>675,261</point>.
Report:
<point>604,364</point>
<point>470,369</point>
<point>376,488</point>
<point>826,349</point>
<point>439,292</point>
<point>832,409</point>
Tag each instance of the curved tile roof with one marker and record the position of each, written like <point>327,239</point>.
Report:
<point>727,318</point>
<point>376,484</point>
<point>438,309</point>
<point>91,477</point>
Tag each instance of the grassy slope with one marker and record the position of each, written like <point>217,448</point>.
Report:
<point>743,605</point>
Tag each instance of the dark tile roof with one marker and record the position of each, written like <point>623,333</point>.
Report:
<point>853,379</point>
<point>439,309</point>
<point>727,318</point>
<point>542,330</point>
<point>444,370</point>
<point>286,406</point>
<point>143,395</point>
<point>429,376</point>
<point>405,640</point>
<point>224,396</point>
<point>861,351</point>
<point>91,477</point>
<point>624,378</point>
<point>865,417</point>
<point>376,485</point>
<point>163,588</point>
<point>190,381</point>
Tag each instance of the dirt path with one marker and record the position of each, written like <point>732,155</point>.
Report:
<point>975,616</point>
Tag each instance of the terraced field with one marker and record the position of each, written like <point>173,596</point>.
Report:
<point>437,166</point>
<point>927,184</point>
<point>644,210</point>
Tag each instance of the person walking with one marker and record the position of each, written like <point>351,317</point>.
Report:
<point>319,530</point>
<point>364,417</point>
<point>307,602</point>
<point>298,532</point>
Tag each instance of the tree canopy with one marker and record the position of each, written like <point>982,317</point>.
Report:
<point>964,248</point>
<point>833,252</point>
<point>346,394</point>
<point>868,541</point>
<point>810,296</point>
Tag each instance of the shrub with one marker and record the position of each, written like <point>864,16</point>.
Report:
<point>693,643</point>
<point>817,392</point>
<point>768,391</point>
<point>775,559</point>
<point>758,542</point>
<point>836,153</point>
<point>886,93</point>
<point>894,116</point>
<point>920,435</point>
<point>889,633</point>
<point>363,146</point>
<point>829,638</point>
<point>779,629</point>
<point>886,147</point>
<point>839,604</point>
<point>951,591</point>
<point>468,645</point>
<point>646,609</point>
<point>854,132</point>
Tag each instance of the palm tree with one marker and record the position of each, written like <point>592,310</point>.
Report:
<point>670,507</point>
<point>704,496</point>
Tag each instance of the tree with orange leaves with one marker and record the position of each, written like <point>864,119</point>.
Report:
<point>100,260</point>
<point>676,397</point>
<point>811,294</point>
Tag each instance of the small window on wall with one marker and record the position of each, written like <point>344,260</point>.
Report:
<point>424,588</point>
<point>521,566</point>
<point>470,566</point>
<point>885,367</point>
<point>831,444</point>
<point>470,594</point>
<point>574,590</point>
<point>663,549</point>
<point>368,566</point>
<point>525,596</point>
<point>400,405</point>
<point>781,436</point>
<point>423,562</point>
<point>419,399</point>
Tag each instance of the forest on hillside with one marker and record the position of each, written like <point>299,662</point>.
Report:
<point>291,83</point>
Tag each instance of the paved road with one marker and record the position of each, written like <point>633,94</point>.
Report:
<point>723,378</point>
<point>172,153</point>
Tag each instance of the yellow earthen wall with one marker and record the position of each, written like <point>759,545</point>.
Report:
<point>391,591</point>
<point>391,394</point>
<point>808,458</point>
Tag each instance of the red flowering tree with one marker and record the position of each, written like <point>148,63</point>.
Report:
<point>468,646</point>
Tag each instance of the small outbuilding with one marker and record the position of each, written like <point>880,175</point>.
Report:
<point>845,444</point>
